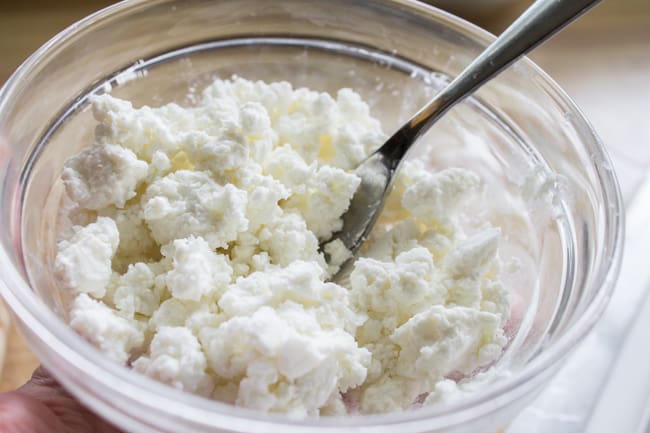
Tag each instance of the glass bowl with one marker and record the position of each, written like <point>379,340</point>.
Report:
<point>549,181</point>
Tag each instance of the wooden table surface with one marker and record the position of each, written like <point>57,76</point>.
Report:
<point>602,61</point>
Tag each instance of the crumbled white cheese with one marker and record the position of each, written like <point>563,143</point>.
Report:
<point>114,334</point>
<point>338,255</point>
<point>289,229</point>
<point>416,334</point>
<point>84,260</point>
<point>392,292</point>
<point>176,357</point>
<point>287,360</point>
<point>134,292</point>
<point>264,195</point>
<point>441,339</point>
<point>136,243</point>
<point>340,131</point>
<point>431,198</point>
<point>200,258</point>
<point>197,270</point>
<point>103,175</point>
<point>319,194</point>
<point>194,315</point>
<point>186,203</point>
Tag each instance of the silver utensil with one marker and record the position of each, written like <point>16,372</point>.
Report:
<point>377,172</point>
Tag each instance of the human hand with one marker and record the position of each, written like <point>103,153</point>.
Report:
<point>43,406</point>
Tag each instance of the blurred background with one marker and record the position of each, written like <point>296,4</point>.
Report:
<point>602,61</point>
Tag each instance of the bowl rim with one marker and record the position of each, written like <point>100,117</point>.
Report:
<point>63,342</point>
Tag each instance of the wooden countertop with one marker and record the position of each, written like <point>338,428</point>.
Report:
<point>602,62</point>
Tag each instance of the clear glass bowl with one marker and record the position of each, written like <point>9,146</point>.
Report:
<point>520,132</point>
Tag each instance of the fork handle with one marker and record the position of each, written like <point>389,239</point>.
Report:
<point>542,20</point>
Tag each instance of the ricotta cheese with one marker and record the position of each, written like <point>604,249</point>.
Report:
<point>84,260</point>
<point>201,264</point>
<point>103,175</point>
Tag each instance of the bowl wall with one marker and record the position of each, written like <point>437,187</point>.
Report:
<point>549,183</point>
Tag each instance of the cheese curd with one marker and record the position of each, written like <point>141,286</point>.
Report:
<point>84,260</point>
<point>103,175</point>
<point>201,265</point>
